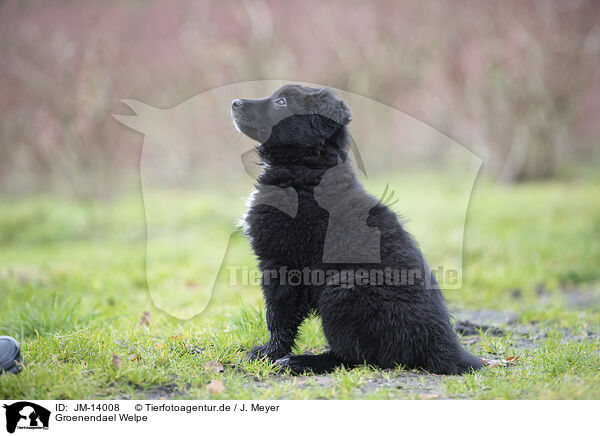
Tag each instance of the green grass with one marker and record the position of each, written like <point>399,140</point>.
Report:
<point>73,288</point>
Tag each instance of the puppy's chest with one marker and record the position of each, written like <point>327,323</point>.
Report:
<point>286,226</point>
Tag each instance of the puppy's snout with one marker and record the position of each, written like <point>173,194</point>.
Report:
<point>237,103</point>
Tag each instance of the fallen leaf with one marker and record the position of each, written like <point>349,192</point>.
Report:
<point>213,366</point>
<point>494,363</point>
<point>146,318</point>
<point>116,361</point>
<point>215,387</point>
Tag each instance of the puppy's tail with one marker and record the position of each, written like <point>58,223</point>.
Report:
<point>468,363</point>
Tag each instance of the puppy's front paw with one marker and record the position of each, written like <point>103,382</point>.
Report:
<point>257,352</point>
<point>267,351</point>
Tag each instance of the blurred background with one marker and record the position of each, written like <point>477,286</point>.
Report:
<point>516,82</point>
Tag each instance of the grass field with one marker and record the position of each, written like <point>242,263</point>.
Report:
<point>73,291</point>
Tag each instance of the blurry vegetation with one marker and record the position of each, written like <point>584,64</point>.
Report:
<point>516,82</point>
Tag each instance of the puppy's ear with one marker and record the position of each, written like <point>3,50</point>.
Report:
<point>344,112</point>
<point>324,102</point>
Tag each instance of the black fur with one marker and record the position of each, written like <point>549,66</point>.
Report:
<point>303,138</point>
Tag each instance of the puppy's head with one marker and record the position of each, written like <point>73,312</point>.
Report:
<point>293,115</point>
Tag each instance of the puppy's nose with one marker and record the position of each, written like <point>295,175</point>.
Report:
<point>237,103</point>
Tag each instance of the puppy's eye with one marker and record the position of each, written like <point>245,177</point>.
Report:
<point>281,101</point>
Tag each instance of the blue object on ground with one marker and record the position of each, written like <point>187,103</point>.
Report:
<point>10,355</point>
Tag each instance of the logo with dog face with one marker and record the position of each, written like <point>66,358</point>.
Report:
<point>184,145</point>
<point>26,415</point>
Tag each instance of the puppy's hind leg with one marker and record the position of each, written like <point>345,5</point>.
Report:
<point>317,363</point>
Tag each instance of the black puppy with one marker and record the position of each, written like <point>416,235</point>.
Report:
<point>333,249</point>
